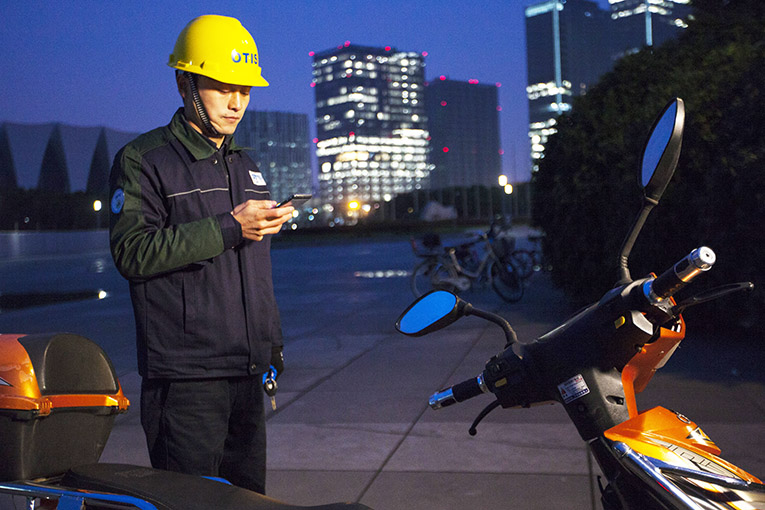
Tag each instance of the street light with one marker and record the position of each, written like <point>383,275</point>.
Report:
<point>508,189</point>
<point>97,208</point>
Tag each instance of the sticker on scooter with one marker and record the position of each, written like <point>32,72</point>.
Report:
<point>574,388</point>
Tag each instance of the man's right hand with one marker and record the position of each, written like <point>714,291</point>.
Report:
<point>259,218</point>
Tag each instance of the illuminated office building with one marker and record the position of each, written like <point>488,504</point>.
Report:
<point>463,122</point>
<point>640,23</point>
<point>568,49</point>
<point>371,127</point>
<point>278,142</point>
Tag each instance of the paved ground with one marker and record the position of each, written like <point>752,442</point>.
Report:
<point>352,421</point>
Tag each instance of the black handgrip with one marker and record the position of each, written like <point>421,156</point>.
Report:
<point>466,389</point>
<point>679,275</point>
<point>458,393</point>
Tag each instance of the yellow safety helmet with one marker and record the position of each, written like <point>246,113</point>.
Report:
<point>220,48</point>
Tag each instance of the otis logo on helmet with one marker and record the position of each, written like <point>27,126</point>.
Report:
<point>249,58</point>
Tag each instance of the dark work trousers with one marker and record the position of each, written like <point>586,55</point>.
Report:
<point>208,427</point>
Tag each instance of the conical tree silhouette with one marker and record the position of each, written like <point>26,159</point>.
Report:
<point>98,177</point>
<point>7,168</point>
<point>54,174</point>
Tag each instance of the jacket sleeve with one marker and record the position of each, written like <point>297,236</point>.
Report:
<point>142,245</point>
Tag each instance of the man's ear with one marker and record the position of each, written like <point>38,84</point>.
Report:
<point>182,81</point>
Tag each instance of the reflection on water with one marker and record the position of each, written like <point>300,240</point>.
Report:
<point>99,265</point>
<point>46,268</point>
<point>390,273</point>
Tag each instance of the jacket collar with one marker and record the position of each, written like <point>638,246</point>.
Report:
<point>196,143</point>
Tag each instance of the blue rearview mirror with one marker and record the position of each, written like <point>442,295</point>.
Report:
<point>433,311</point>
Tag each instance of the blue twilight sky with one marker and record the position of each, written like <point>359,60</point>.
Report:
<point>103,63</point>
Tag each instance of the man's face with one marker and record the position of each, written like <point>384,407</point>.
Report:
<point>225,103</point>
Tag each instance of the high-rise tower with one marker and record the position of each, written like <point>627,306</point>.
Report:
<point>278,142</point>
<point>463,121</point>
<point>640,23</point>
<point>568,49</point>
<point>371,127</point>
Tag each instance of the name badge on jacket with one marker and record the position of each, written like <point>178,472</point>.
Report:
<point>257,178</point>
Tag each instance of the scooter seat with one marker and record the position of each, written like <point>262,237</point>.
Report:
<point>168,490</point>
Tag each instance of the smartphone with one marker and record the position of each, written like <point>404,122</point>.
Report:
<point>297,200</point>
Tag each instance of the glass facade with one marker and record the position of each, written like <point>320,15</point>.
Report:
<point>639,23</point>
<point>372,138</point>
<point>278,142</point>
<point>463,120</point>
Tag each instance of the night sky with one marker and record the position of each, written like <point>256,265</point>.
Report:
<point>103,63</point>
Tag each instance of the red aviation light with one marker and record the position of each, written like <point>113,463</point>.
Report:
<point>347,43</point>
<point>473,81</point>
<point>443,103</point>
<point>387,48</point>
<point>311,53</point>
<point>445,149</point>
<point>424,53</point>
<point>442,78</point>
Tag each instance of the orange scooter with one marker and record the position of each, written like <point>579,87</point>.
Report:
<point>596,361</point>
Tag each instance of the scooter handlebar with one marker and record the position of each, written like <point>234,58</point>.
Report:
<point>458,393</point>
<point>678,276</point>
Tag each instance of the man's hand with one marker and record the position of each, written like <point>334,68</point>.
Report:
<point>259,218</point>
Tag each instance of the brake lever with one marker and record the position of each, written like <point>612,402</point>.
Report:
<point>486,410</point>
<point>711,294</point>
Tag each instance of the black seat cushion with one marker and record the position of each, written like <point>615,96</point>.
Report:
<point>168,490</point>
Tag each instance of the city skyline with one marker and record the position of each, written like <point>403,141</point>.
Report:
<point>94,64</point>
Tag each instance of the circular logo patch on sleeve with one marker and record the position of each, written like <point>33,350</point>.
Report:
<point>118,200</point>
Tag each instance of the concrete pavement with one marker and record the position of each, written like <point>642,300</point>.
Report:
<point>352,422</point>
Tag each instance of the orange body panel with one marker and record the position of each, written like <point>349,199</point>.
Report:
<point>640,369</point>
<point>673,438</point>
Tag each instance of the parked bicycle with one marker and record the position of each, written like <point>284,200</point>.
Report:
<point>530,260</point>
<point>485,260</point>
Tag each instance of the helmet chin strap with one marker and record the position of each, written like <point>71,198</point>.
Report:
<point>201,113</point>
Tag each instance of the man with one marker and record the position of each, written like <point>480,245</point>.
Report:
<point>190,229</point>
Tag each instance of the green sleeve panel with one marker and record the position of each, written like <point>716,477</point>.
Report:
<point>141,243</point>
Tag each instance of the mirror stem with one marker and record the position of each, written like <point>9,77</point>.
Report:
<point>496,319</point>
<point>629,242</point>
